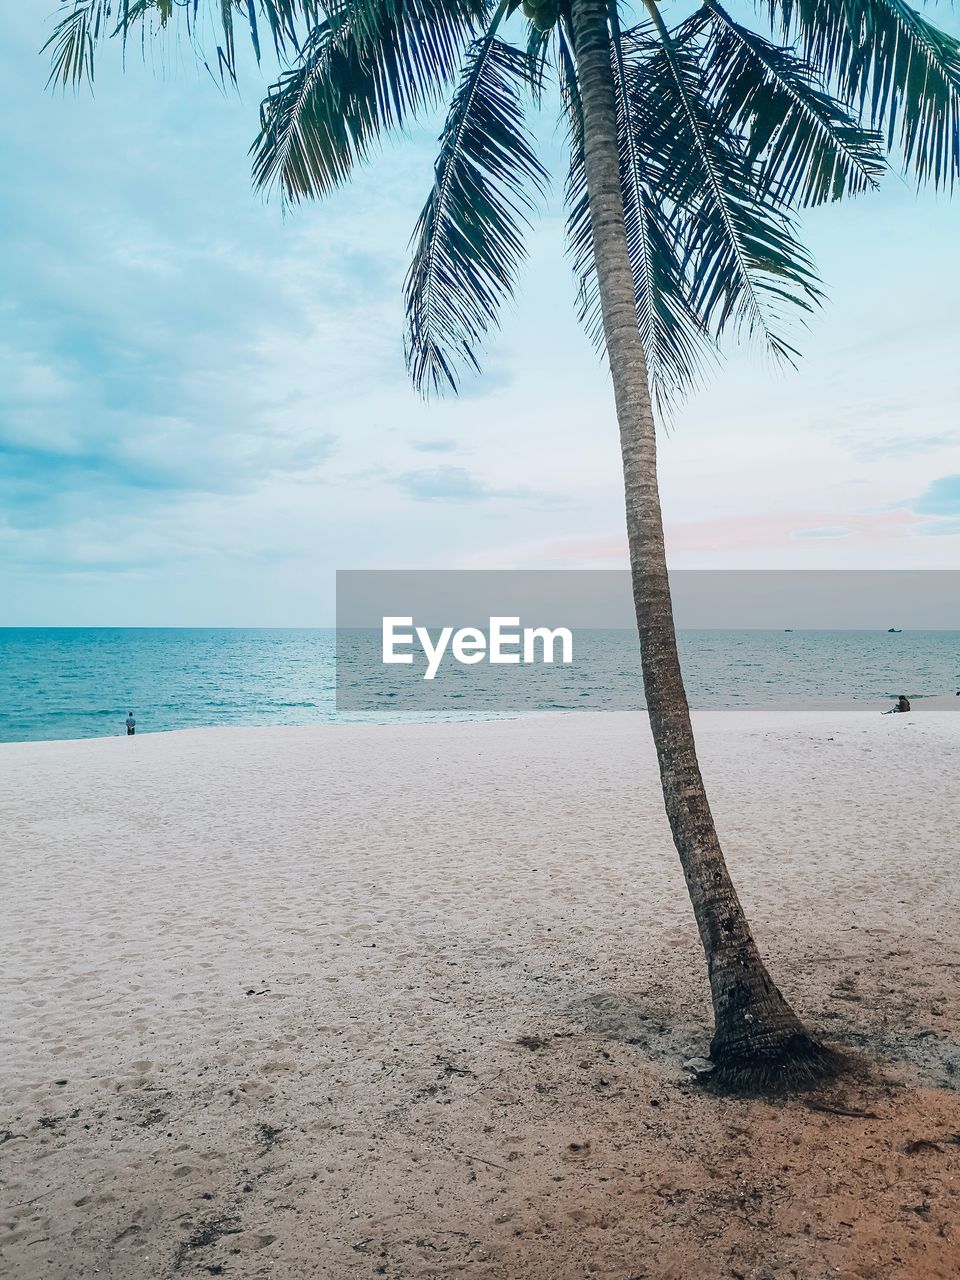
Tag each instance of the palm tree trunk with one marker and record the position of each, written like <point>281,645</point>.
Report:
<point>758,1040</point>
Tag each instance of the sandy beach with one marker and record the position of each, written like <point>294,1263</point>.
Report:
<point>416,1001</point>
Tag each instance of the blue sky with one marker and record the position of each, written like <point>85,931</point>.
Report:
<point>204,411</point>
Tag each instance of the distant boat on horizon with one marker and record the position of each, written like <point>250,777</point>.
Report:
<point>894,631</point>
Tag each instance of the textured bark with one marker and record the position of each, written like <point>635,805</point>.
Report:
<point>758,1039</point>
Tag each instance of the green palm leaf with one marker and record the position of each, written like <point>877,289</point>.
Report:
<point>538,53</point>
<point>810,149</point>
<point>86,22</point>
<point>290,22</point>
<point>74,38</point>
<point>365,69</point>
<point>889,63</point>
<point>747,266</point>
<point>468,242</point>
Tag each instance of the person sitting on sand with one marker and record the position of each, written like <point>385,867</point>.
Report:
<point>131,725</point>
<point>903,704</point>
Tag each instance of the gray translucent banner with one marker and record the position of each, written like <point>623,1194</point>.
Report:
<point>477,642</point>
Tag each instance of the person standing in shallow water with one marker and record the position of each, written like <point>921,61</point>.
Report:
<point>131,725</point>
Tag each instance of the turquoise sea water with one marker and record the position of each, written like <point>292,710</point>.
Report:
<point>80,683</point>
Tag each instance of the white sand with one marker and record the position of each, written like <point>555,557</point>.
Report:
<point>263,991</point>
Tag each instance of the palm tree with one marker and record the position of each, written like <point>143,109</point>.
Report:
<point>692,146</point>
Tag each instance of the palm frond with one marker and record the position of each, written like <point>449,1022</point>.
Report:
<point>809,148</point>
<point>74,39</point>
<point>747,266</point>
<point>468,241</point>
<point>567,69</point>
<point>538,52</point>
<point>365,69</point>
<point>675,339</point>
<point>892,65</point>
<point>85,23</point>
<point>287,20</point>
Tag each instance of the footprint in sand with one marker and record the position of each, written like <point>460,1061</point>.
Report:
<point>576,1152</point>
<point>255,1091</point>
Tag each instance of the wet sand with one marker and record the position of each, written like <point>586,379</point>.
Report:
<point>415,1001</point>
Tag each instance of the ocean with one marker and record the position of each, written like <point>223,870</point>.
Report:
<point>80,683</point>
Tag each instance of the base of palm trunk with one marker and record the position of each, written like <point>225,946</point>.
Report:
<point>759,1044</point>
<point>796,1062</point>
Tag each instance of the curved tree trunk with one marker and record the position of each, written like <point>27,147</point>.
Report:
<point>758,1039</point>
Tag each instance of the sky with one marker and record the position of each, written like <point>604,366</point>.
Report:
<point>204,411</point>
